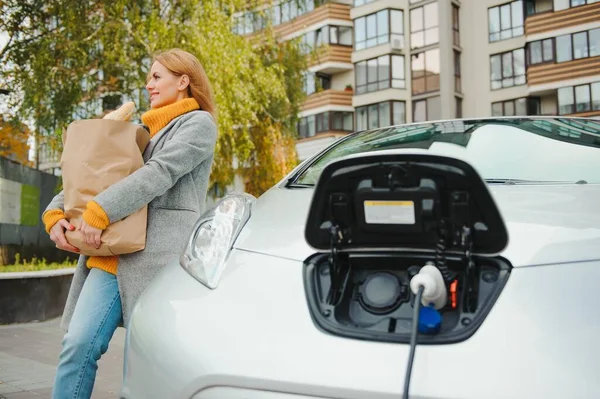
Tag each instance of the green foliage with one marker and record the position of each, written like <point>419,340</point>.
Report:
<point>66,56</point>
<point>35,265</point>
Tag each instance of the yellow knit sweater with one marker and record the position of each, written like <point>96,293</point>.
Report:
<point>94,215</point>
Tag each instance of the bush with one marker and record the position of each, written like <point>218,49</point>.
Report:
<point>35,264</point>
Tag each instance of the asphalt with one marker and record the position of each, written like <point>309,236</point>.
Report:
<point>29,355</point>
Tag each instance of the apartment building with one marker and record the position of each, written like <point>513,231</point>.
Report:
<point>383,62</point>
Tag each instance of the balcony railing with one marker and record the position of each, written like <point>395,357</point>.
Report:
<point>328,97</point>
<point>310,13</point>
<point>332,53</point>
<point>549,21</point>
<point>547,73</point>
<point>322,13</point>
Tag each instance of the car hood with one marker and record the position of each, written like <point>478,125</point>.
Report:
<point>546,224</point>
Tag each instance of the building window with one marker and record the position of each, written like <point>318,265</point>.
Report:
<point>397,33</point>
<point>429,109</point>
<point>341,35</point>
<point>458,107</point>
<point>361,2</point>
<point>583,98</point>
<point>457,83</point>
<point>380,115</point>
<point>314,82</point>
<point>424,29</point>
<point>517,107</point>
<point>426,71</point>
<point>505,21</point>
<point>342,121</point>
<point>380,73</point>
<point>540,51</point>
<point>508,69</point>
<point>594,38</point>
<point>533,7</point>
<point>578,45</point>
<point>253,21</point>
<point>309,83</point>
<point>322,122</point>
<point>310,125</point>
<point>374,29</point>
<point>455,26</point>
<point>330,34</point>
<point>595,89</point>
<point>565,4</point>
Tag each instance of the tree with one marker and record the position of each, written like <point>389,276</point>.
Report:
<point>13,141</point>
<point>68,57</point>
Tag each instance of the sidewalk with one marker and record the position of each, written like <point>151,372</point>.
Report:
<point>28,358</point>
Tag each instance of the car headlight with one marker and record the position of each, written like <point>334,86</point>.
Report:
<point>213,236</point>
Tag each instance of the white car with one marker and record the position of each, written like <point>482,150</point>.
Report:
<point>451,259</point>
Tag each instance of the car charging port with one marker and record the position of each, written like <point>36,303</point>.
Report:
<point>373,299</point>
<point>389,223</point>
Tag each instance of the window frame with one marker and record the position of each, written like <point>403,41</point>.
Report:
<point>513,69</point>
<point>424,29</point>
<point>313,46</point>
<point>587,3</point>
<point>425,76</point>
<point>391,113</point>
<point>389,30</point>
<point>528,103</point>
<point>455,25</point>
<point>337,27</point>
<point>457,72</point>
<point>499,32</point>
<point>555,48</point>
<point>574,94</point>
<point>318,79</point>
<point>320,116</point>
<point>362,4</point>
<point>390,77</point>
<point>425,100</point>
<point>541,41</point>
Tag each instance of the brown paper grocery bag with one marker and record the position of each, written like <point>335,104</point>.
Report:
<point>96,154</point>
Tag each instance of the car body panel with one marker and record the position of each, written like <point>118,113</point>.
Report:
<point>536,341</point>
<point>253,336</point>
<point>546,224</point>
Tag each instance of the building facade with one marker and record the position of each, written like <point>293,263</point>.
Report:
<point>384,62</point>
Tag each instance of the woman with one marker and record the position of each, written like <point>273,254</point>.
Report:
<point>173,182</point>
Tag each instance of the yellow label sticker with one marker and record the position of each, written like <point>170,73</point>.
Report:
<point>389,212</point>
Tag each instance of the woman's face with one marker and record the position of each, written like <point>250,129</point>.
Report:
<point>165,88</point>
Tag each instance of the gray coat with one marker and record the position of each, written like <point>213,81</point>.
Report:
<point>173,182</point>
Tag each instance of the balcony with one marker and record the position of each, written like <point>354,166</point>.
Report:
<point>548,73</point>
<point>333,11</point>
<point>340,98</point>
<point>331,59</point>
<point>288,17</point>
<point>549,21</point>
<point>578,101</point>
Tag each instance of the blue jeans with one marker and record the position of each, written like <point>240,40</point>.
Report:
<point>95,319</point>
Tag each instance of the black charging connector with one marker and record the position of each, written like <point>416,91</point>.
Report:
<point>413,340</point>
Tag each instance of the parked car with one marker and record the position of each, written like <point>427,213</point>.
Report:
<point>309,290</point>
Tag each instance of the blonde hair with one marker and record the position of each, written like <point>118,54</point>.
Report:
<point>180,62</point>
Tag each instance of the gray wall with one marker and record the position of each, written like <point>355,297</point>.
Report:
<point>29,241</point>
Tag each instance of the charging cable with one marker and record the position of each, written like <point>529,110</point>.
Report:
<point>413,338</point>
<point>430,290</point>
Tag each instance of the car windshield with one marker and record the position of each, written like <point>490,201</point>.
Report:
<point>501,150</point>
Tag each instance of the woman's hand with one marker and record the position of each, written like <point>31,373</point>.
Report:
<point>57,234</point>
<point>91,235</point>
